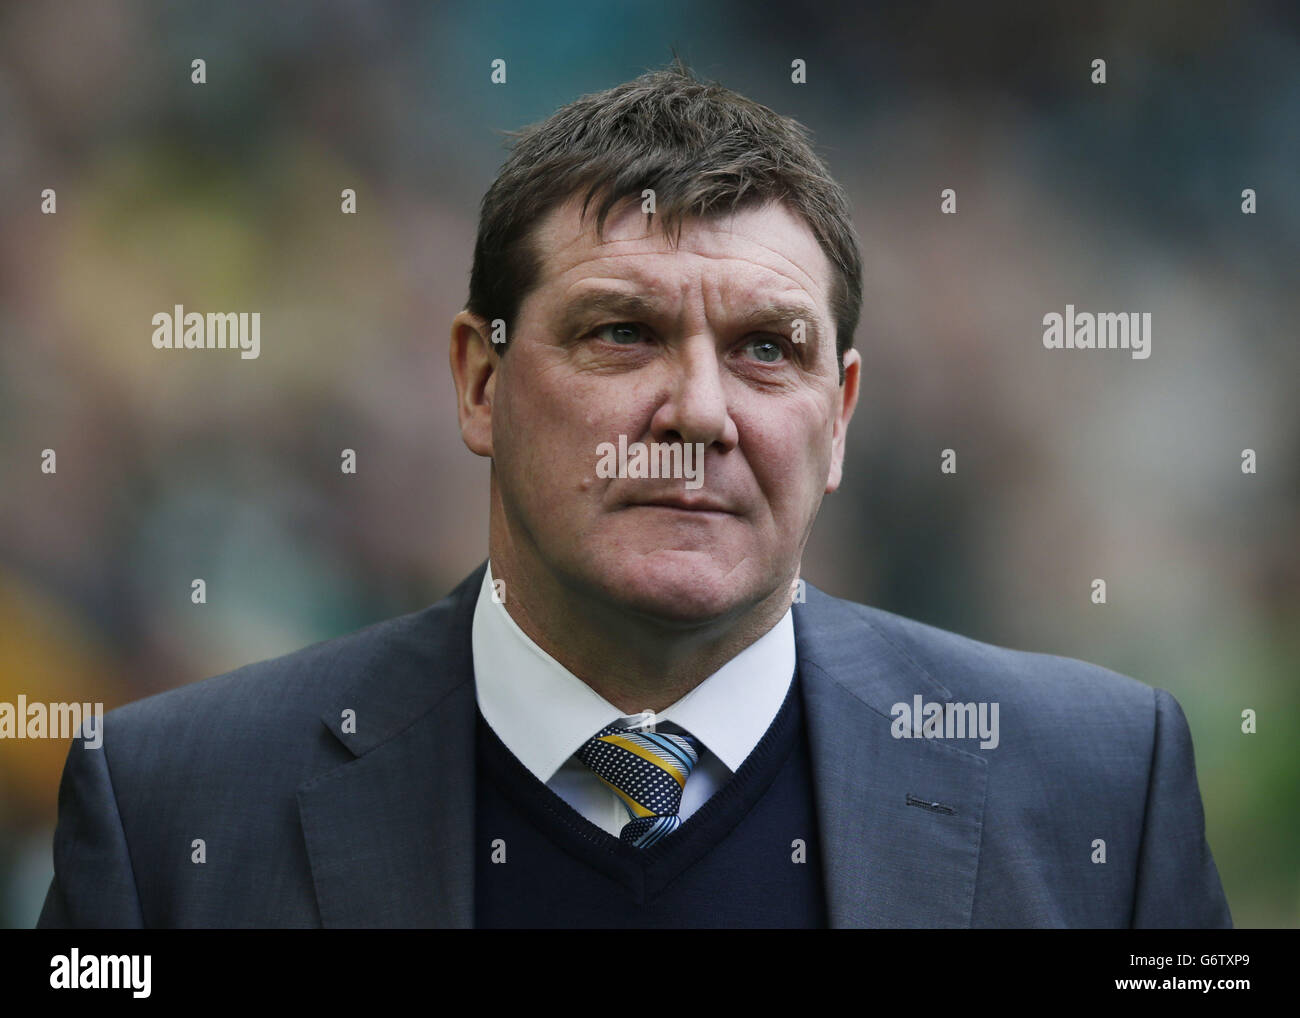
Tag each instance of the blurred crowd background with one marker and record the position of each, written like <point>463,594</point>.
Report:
<point>1072,465</point>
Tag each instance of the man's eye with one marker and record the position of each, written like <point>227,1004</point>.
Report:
<point>766,349</point>
<point>621,333</point>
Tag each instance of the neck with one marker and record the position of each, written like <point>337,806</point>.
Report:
<point>635,661</point>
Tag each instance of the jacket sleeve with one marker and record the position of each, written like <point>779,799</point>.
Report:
<point>1177,883</point>
<point>94,885</point>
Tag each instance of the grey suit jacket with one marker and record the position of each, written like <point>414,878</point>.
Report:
<point>303,824</point>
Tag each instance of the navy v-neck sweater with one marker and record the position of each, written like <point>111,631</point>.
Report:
<point>749,857</point>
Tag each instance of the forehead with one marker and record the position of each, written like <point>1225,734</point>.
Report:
<point>756,251</point>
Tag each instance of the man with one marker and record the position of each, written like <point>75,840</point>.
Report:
<point>621,719</point>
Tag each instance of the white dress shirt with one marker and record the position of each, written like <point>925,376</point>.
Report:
<point>543,713</point>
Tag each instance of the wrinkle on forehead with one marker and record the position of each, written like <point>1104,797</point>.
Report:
<point>573,244</point>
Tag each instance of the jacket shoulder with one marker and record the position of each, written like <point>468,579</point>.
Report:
<point>971,669</point>
<point>386,660</point>
<point>295,685</point>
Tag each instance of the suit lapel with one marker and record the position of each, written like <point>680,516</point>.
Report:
<point>390,833</point>
<point>891,856</point>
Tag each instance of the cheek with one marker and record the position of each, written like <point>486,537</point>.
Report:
<point>519,431</point>
<point>546,436</point>
<point>529,411</point>
<point>787,475</point>
<point>790,461</point>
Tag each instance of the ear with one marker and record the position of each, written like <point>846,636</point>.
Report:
<point>847,401</point>
<point>474,364</point>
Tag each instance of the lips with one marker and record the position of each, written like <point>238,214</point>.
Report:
<point>706,505</point>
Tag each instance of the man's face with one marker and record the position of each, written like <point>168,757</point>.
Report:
<point>631,337</point>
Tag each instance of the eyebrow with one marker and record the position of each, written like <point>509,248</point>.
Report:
<point>606,304</point>
<point>783,313</point>
<point>633,307</point>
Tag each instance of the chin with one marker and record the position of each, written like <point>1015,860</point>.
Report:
<point>678,586</point>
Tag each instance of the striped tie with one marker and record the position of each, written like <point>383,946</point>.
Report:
<point>648,770</point>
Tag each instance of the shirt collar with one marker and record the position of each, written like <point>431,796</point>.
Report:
<point>544,713</point>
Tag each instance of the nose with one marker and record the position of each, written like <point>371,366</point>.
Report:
<point>694,408</point>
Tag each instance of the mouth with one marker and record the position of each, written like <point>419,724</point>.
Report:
<point>684,503</point>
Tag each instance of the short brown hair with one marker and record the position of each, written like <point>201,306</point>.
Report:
<point>703,149</point>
